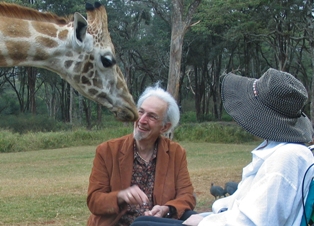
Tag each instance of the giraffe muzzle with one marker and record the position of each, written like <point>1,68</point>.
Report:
<point>126,115</point>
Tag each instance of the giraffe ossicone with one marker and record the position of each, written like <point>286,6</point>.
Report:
<point>79,50</point>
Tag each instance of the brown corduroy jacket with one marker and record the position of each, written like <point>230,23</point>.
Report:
<point>112,172</point>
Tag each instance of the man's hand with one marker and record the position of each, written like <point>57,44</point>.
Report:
<point>157,211</point>
<point>132,195</point>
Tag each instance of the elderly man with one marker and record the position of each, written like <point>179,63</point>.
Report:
<point>144,173</point>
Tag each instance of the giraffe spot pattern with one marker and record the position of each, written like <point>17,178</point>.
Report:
<point>45,28</point>
<point>68,63</point>
<point>47,42</point>
<point>40,54</point>
<point>3,60</point>
<point>102,95</point>
<point>15,28</point>
<point>62,35</point>
<point>97,83</point>
<point>77,78</point>
<point>90,74</point>
<point>93,91</point>
<point>120,85</point>
<point>69,54</point>
<point>18,50</point>
<point>78,66</point>
<point>86,81</point>
<point>87,67</point>
<point>91,57</point>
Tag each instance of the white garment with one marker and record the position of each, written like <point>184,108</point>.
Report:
<point>269,193</point>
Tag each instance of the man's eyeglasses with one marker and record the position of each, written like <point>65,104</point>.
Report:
<point>151,116</point>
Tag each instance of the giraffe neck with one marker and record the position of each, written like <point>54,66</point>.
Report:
<point>32,43</point>
<point>42,44</point>
<point>80,52</point>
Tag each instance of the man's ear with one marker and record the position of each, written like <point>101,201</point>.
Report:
<point>165,128</point>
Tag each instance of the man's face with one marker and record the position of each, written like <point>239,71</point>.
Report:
<point>150,122</point>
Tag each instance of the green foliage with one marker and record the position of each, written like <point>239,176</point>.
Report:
<point>207,132</point>
<point>14,142</point>
<point>217,132</point>
<point>188,117</point>
<point>31,123</point>
<point>8,141</point>
<point>226,118</point>
<point>8,103</point>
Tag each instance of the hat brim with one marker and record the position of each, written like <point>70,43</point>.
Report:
<point>241,104</point>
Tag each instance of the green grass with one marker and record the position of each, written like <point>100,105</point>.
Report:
<point>48,187</point>
<point>14,142</point>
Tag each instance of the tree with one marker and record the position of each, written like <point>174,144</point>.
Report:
<point>31,85</point>
<point>141,39</point>
<point>181,18</point>
<point>51,92</point>
<point>309,33</point>
<point>178,14</point>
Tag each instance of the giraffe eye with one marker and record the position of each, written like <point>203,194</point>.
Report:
<point>107,61</point>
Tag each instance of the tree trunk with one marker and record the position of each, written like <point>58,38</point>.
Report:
<point>175,61</point>
<point>197,96</point>
<point>80,113</point>
<point>99,114</point>
<point>70,105</point>
<point>65,101</point>
<point>87,111</point>
<point>310,33</point>
<point>179,26</point>
<point>31,75</point>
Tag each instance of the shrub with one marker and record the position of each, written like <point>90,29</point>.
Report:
<point>8,141</point>
<point>217,132</point>
<point>188,117</point>
<point>214,132</point>
<point>31,123</point>
<point>15,142</point>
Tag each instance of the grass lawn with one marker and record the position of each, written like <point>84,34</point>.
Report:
<point>49,187</point>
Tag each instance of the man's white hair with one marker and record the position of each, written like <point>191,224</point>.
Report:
<point>172,113</point>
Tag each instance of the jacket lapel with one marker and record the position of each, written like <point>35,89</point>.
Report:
<point>161,169</point>
<point>126,158</point>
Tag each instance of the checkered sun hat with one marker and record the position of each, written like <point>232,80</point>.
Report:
<point>269,107</point>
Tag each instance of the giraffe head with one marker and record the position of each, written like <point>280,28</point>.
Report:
<point>98,76</point>
<point>79,50</point>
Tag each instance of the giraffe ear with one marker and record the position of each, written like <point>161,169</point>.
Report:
<point>81,39</point>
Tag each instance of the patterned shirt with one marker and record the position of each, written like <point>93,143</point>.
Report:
<point>143,176</point>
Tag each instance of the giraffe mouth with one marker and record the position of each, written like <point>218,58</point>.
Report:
<point>122,112</point>
<point>126,114</point>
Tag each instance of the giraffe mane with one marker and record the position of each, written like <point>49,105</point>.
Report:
<point>22,12</point>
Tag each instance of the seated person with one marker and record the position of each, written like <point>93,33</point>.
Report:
<point>270,192</point>
<point>143,173</point>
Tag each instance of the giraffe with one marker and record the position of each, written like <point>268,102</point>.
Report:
<point>78,49</point>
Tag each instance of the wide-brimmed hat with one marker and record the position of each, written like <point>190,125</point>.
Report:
<point>269,107</point>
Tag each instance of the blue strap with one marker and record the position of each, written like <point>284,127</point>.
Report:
<point>308,207</point>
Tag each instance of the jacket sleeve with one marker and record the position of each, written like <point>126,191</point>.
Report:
<point>184,192</point>
<point>101,200</point>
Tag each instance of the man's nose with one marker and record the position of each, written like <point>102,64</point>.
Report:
<point>143,117</point>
